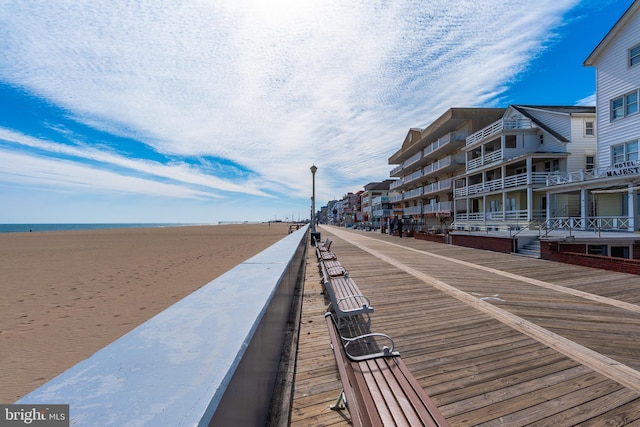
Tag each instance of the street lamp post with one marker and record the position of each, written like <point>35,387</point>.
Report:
<point>314,235</point>
<point>313,198</point>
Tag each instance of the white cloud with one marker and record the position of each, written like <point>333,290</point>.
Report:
<point>62,175</point>
<point>182,173</point>
<point>273,86</point>
<point>589,100</point>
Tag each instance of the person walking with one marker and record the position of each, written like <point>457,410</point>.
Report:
<point>400,227</point>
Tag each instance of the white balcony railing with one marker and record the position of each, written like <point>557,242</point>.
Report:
<point>416,192</point>
<point>396,170</point>
<point>621,223</point>
<point>395,198</point>
<point>397,183</point>
<point>516,215</point>
<point>441,207</point>
<point>378,200</point>
<point>412,210</point>
<point>585,175</point>
<point>411,160</point>
<point>522,179</point>
<point>435,187</point>
<point>416,175</point>
<point>494,156</point>
<point>497,127</point>
<point>381,213</point>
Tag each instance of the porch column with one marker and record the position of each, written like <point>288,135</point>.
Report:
<point>631,204</point>
<point>584,208</point>
<point>504,204</point>
<point>550,205</point>
<point>529,203</point>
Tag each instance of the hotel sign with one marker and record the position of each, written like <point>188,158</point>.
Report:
<point>624,168</point>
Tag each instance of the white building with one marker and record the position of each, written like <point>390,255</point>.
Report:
<point>509,160</point>
<point>606,197</point>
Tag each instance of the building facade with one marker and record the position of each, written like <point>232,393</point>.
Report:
<point>374,203</point>
<point>429,162</point>
<point>508,162</point>
<point>605,197</point>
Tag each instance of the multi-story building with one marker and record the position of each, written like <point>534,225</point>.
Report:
<point>429,162</point>
<point>509,160</point>
<point>337,212</point>
<point>349,209</point>
<point>605,196</point>
<point>371,203</point>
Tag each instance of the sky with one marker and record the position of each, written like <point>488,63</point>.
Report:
<point>199,111</point>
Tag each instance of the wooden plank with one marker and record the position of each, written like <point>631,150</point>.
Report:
<point>611,368</point>
<point>456,352</point>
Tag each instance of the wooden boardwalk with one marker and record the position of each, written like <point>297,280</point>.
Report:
<point>494,339</point>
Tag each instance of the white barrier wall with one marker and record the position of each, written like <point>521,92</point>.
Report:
<point>209,359</point>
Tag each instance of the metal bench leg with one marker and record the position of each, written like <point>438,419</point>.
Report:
<point>341,402</point>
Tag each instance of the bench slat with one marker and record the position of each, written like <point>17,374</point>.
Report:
<point>382,391</point>
<point>347,296</point>
<point>429,412</point>
<point>396,406</point>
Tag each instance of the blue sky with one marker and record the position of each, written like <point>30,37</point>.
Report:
<point>206,111</point>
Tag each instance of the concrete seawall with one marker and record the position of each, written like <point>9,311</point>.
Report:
<point>210,359</point>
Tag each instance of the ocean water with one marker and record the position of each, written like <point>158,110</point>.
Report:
<point>22,228</point>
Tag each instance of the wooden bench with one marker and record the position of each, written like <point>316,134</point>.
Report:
<point>324,246</point>
<point>378,389</point>
<point>346,299</point>
<point>332,268</point>
<point>325,255</point>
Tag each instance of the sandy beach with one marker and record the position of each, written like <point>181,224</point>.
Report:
<point>65,295</point>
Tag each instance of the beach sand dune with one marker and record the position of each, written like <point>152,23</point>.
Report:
<point>65,295</point>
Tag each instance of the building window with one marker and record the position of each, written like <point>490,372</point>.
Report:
<point>620,251</point>
<point>631,103</point>
<point>632,151</point>
<point>634,55</point>
<point>625,105</point>
<point>617,108</point>
<point>589,129</point>
<point>625,152</point>
<point>590,163</point>
<point>597,250</point>
<point>552,166</point>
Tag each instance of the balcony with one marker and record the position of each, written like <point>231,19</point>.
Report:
<point>410,161</point>
<point>436,187</point>
<point>378,200</point>
<point>443,163</point>
<point>497,127</point>
<point>395,198</point>
<point>515,215</point>
<point>537,178</point>
<point>621,169</point>
<point>416,175</point>
<point>412,210</point>
<point>494,156</point>
<point>438,208</point>
<point>416,192</point>
<point>396,184</point>
<point>395,170</point>
<point>381,213</point>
